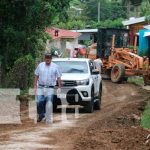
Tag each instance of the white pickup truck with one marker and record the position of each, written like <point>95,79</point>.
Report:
<point>81,83</point>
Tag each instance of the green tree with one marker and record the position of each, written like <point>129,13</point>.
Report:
<point>145,8</point>
<point>72,25</point>
<point>23,24</point>
<point>132,7</point>
<point>117,23</point>
<point>76,17</point>
<point>108,10</point>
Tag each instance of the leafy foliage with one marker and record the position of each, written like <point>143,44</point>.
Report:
<point>21,74</point>
<point>146,117</point>
<point>108,10</point>
<point>145,8</point>
<point>23,24</point>
<point>70,25</point>
<point>108,24</point>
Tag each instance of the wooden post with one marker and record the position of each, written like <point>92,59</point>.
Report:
<point>113,42</point>
<point>135,43</point>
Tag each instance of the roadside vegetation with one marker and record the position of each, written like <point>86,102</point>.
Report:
<point>23,37</point>
<point>145,120</point>
<point>136,80</point>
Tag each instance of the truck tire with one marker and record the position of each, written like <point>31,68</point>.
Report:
<point>97,104</point>
<point>89,108</point>
<point>117,73</point>
<point>54,107</point>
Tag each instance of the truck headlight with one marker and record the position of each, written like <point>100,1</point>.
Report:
<point>83,82</point>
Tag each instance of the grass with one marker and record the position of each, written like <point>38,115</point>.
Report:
<point>136,80</point>
<point>145,120</point>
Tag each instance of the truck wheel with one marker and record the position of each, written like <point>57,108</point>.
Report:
<point>97,104</point>
<point>55,108</point>
<point>117,73</point>
<point>89,108</point>
<point>54,104</point>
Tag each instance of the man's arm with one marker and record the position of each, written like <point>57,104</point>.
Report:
<point>35,83</point>
<point>59,82</point>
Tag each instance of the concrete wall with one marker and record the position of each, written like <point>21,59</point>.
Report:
<point>63,45</point>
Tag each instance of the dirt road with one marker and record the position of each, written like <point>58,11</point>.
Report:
<point>115,127</point>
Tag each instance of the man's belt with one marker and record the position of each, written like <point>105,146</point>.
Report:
<point>46,86</point>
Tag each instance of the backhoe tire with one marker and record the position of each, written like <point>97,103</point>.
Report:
<point>117,73</point>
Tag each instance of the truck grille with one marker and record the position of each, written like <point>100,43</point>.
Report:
<point>69,83</point>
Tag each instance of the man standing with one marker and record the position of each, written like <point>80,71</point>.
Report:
<point>98,63</point>
<point>46,75</point>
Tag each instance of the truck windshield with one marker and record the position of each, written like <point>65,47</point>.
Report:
<point>72,66</point>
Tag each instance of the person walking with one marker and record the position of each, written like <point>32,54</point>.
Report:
<point>98,63</point>
<point>46,75</point>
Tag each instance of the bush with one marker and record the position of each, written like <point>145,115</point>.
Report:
<point>108,24</point>
<point>145,121</point>
<point>21,74</point>
<point>72,25</point>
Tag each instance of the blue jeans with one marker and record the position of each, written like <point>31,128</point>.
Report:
<point>44,100</point>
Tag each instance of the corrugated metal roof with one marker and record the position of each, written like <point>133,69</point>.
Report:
<point>147,27</point>
<point>133,21</point>
<point>86,30</point>
<point>147,33</point>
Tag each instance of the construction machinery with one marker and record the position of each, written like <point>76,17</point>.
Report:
<point>119,62</point>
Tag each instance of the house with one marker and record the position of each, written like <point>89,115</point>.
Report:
<point>144,43</point>
<point>87,35</point>
<point>140,27</point>
<point>62,40</point>
<point>135,24</point>
<point>147,27</point>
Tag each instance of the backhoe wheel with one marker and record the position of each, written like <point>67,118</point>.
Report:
<point>146,80</point>
<point>117,73</point>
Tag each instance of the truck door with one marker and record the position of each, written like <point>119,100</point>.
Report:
<point>95,78</point>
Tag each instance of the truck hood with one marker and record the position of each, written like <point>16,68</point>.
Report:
<point>70,76</point>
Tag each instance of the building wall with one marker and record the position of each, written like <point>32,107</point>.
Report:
<point>135,29</point>
<point>65,45</point>
<point>87,36</point>
<point>143,43</point>
<point>71,45</point>
<point>54,43</point>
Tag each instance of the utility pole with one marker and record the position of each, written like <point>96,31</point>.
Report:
<point>99,7</point>
<point>128,8</point>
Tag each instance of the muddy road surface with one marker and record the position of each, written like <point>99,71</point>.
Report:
<point>114,127</point>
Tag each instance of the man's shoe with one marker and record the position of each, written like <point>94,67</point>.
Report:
<point>49,122</point>
<point>41,119</point>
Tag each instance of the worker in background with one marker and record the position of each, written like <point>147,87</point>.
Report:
<point>98,63</point>
<point>125,40</point>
